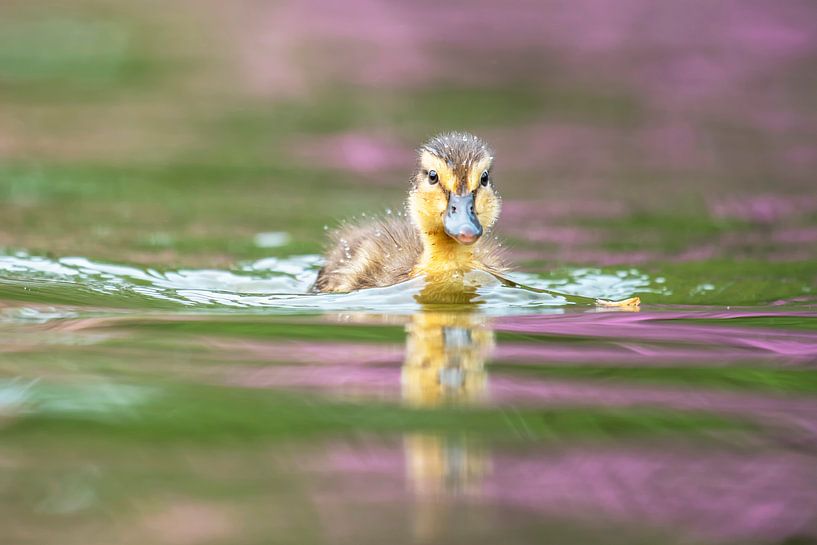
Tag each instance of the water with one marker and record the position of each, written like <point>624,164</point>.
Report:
<point>167,179</point>
<point>222,403</point>
<point>282,285</point>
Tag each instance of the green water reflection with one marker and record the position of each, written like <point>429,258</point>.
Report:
<point>167,177</point>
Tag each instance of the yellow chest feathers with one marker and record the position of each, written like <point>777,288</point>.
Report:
<point>443,257</point>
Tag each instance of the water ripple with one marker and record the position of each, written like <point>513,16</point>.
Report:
<point>282,284</point>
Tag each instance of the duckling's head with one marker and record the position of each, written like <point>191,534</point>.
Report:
<point>453,196</point>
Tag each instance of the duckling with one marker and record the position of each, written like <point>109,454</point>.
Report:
<point>451,206</point>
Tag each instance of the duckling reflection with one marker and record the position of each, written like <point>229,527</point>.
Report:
<point>445,358</point>
<point>444,365</point>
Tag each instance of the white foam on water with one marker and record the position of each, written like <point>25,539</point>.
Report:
<point>282,285</point>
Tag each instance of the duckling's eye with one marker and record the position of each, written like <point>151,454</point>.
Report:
<point>484,179</point>
<point>432,177</point>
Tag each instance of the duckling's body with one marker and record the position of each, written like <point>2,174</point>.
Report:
<point>451,204</point>
<point>388,251</point>
<point>378,253</point>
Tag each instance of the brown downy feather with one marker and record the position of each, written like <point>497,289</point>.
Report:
<point>384,252</point>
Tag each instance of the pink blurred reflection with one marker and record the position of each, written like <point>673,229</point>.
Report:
<point>660,327</point>
<point>717,495</point>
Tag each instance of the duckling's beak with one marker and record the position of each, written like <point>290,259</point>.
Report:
<point>460,220</point>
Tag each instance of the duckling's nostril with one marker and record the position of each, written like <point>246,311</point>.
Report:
<point>453,209</point>
<point>471,209</point>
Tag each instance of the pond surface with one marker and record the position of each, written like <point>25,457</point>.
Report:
<point>207,405</point>
<point>167,178</point>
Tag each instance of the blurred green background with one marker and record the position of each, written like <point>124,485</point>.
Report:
<point>171,134</point>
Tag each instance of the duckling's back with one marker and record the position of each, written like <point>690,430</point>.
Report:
<point>380,253</point>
